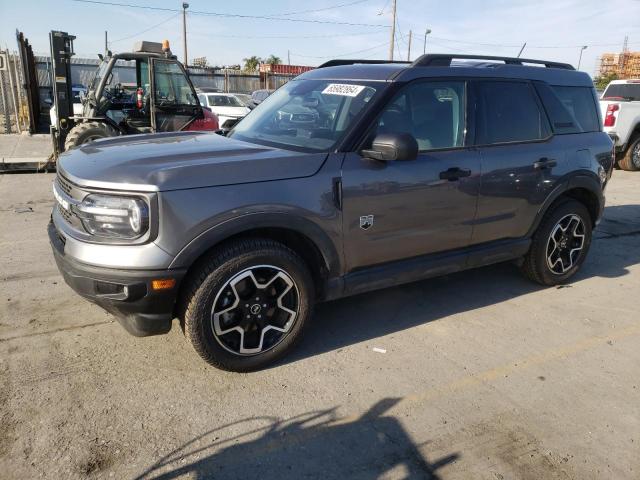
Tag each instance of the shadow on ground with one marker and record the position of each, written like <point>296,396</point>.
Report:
<point>375,314</point>
<point>312,445</point>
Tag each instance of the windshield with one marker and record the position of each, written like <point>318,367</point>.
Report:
<point>224,101</point>
<point>626,91</point>
<point>308,115</point>
<point>100,72</point>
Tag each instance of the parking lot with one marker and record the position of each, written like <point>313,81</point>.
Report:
<point>478,375</point>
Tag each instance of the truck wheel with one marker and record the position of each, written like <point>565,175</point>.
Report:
<point>86,132</point>
<point>247,304</point>
<point>560,244</point>
<point>631,158</point>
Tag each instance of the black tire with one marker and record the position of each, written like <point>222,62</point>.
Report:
<point>536,265</point>
<point>208,288</point>
<point>630,161</point>
<point>86,132</point>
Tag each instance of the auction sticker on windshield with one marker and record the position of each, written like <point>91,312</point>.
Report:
<point>343,89</point>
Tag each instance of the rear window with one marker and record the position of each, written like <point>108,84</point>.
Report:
<point>509,112</point>
<point>570,109</point>
<point>624,91</point>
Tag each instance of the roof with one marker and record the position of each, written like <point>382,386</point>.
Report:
<point>443,65</point>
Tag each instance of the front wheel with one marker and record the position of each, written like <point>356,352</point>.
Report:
<point>247,304</point>
<point>560,244</point>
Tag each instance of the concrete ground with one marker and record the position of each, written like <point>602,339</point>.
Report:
<point>19,151</point>
<point>484,375</point>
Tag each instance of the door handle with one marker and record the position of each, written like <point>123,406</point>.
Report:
<point>544,163</point>
<point>454,173</point>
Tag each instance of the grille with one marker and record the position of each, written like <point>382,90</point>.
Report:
<point>64,185</point>
<point>65,214</point>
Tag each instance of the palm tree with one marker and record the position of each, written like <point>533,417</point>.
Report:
<point>273,60</point>
<point>251,64</point>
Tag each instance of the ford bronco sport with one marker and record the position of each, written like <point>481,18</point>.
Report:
<point>355,176</point>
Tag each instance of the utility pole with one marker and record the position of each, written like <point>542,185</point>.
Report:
<point>393,31</point>
<point>185,5</point>
<point>582,49</point>
<point>409,48</point>
<point>426,32</point>
<point>106,43</point>
<point>288,57</point>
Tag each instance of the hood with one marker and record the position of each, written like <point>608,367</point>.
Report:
<point>179,160</point>
<point>230,111</point>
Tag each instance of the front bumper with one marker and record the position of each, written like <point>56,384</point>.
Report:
<point>127,294</point>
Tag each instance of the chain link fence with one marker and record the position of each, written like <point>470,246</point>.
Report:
<point>14,112</point>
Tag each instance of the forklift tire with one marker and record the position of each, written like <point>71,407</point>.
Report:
<point>86,132</point>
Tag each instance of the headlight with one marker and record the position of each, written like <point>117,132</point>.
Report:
<point>113,216</point>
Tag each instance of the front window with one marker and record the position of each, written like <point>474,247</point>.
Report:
<point>307,115</point>
<point>432,112</point>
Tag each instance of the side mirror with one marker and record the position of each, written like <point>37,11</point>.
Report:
<point>392,146</point>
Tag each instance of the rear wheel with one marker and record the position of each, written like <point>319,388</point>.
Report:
<point>630,161</point>
<point>560,245</point>
<point>86,132</point>
<point>247,304</point>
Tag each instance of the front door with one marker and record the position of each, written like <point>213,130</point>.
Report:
<point>402,209</point>
<point>174,101</point>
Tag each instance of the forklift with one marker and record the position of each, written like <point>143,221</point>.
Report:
<point>160,98</point>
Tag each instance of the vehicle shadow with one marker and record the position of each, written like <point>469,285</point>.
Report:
<point>370,315</point>
<point>313,445</point>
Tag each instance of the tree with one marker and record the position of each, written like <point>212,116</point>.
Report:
<point>602,81</point>
<point>273,60</point>
<point>251,64</point>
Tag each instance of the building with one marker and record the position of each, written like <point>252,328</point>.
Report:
<point>624,65</point>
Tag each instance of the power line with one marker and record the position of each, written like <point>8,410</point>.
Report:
<point>228,15</point>
<point>343,54</point>
<point>328,35</point>
<point>452,40</point>
<point>146,30</point>
<point>333,7</point>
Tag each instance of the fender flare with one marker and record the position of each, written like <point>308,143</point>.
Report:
<point>587,180</point>
<point>257,220</point>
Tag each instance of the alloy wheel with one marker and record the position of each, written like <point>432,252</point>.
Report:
<point>565,244</point>
<point>255,310</point>
<point>635,155</point>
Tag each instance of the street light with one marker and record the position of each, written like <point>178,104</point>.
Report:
<point>426,32</point>
<point>582,49</point>
<point>185,5</point>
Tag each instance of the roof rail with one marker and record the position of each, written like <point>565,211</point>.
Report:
<point>445,59</point>
<point>339,61</point>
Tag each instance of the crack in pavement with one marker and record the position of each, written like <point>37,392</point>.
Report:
<point>55,330</point>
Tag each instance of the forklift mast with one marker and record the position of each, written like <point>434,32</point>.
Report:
<point>61,53</point>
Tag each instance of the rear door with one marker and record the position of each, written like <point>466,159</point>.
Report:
<point>402,209</point>
<point>174,102</point>
<point>520,158</point>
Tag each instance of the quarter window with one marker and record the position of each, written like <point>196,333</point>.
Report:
<point>571,109</point>
<point>433,112</point>
<point>509,112</point>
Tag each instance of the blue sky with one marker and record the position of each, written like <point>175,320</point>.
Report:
<point>553,29</point>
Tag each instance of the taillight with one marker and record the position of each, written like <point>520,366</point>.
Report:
<point>208,122</point>
<point>610,116</point>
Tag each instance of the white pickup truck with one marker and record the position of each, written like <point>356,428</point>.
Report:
<point>620,105</point>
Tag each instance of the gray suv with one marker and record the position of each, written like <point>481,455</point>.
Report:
<point>403,171</point>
